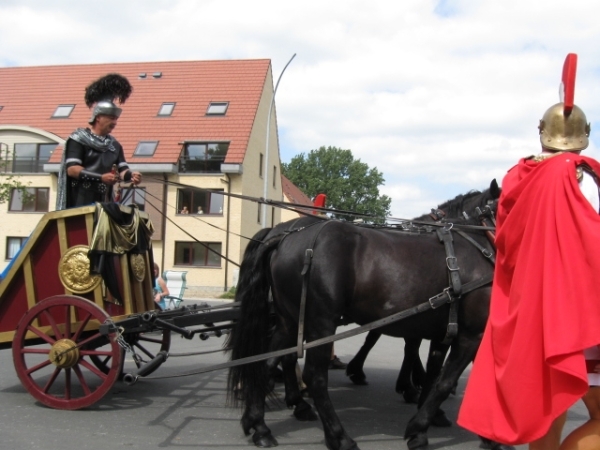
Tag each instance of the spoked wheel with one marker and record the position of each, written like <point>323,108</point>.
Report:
<point>62,338</point>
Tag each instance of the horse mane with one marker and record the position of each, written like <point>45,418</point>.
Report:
<point>466,203</point>
<point>462,202</point>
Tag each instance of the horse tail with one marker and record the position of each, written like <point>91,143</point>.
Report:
<point>250,334</point>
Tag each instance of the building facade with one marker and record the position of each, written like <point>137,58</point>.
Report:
<point>196,130</point>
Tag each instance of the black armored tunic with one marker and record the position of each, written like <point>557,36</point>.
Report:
<point>97,155</point>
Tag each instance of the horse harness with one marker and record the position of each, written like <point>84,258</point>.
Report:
<point>449,295</point>
<point>434,302</point>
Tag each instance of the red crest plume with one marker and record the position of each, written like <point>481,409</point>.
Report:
<point>320,202</point>
<point>567,86</point>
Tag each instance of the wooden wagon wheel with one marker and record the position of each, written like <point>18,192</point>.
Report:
<point>53,348</point>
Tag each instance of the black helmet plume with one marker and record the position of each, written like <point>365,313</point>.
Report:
<point>109,87</point>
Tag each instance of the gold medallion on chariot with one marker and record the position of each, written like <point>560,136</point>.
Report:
<point>74,270</point>
<point>138,268</point>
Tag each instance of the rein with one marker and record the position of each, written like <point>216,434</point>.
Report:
<point>447,296</point>
<point>433,303</point>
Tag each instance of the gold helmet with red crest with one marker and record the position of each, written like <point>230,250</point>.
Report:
<point>564,126</point>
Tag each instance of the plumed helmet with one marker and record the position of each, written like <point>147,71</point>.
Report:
<point>102,93</point>
<point>563,130</point>
<point>105,107</point>
<point>564,126</point>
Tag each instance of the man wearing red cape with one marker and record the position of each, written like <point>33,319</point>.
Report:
<point>545,307</point>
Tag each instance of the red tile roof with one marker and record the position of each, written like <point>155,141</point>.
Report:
<point>29,96</point>
<point>293,194</point>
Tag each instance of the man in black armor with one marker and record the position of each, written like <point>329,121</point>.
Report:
<point>93,160</point>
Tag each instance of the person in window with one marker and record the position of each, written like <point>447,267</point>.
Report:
<point>185,210</point>
<point>93,160</point>
<point>200,211</point>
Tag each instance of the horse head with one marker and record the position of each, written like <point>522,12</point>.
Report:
<point>468,205</point>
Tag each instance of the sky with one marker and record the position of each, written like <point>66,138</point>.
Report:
<point>440,96</point>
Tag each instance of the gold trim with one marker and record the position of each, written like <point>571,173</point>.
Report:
<point>127,298</point>
<point>74,270</point>
<point>544,156</point>
<point>64,353</point>
<point>7,336</point>
<point>28,278</point>
<point>138,268</point>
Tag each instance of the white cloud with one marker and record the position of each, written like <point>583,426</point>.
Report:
<point>440,96</point>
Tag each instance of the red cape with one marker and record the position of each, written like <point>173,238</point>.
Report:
<point>545,306</point>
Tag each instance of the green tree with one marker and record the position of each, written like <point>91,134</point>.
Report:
<point>9,181</point>
<point>349,184</point>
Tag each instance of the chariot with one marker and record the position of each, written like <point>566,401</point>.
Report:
<point>69,331</point>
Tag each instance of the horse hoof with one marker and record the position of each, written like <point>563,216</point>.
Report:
<point>358,378</point>
<point>440,420</point>
<point>418,442</point>
<point>410,395</point>
<point>358,381</point>
<point>346,444</point>
<point>264,441</point>
<point>305,413</point>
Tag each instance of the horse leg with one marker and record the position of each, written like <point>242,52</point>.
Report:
<point>316,377</point>
<point>293,397</point>
<point>254,412</point>
<point>354,369</point>
<point>434,393</point>
<point>418,371</point>
<point>408,372</point>
<point>435,361</point>
<point>254,418</point>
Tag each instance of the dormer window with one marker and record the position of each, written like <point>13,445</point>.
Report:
<point>166,109</point>
<point>217,109</point>
<point>63,111</point>
<point>145,148</point>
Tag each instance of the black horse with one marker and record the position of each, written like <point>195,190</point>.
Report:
<point>412,374</point>
<point>356,274</point>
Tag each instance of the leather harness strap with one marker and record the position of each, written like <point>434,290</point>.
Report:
<point>455,289</point>
<point>445,237</point>
<point>308,255</point>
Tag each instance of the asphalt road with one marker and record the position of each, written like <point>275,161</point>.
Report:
<point>189,412</point>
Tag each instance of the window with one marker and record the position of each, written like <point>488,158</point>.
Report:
<point>30,158</point>
<point>260,165</point>
<point>35,201</point>
<point>13,245</point>
<point>203,157</point>
<point>217,108</point>
<point>198,254</point>
<point>135,196</point>
<point>145,148</point>
<point>199,201</point>
<point>274,176</point>
<point>63,111</point>
<point>166,109</point>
